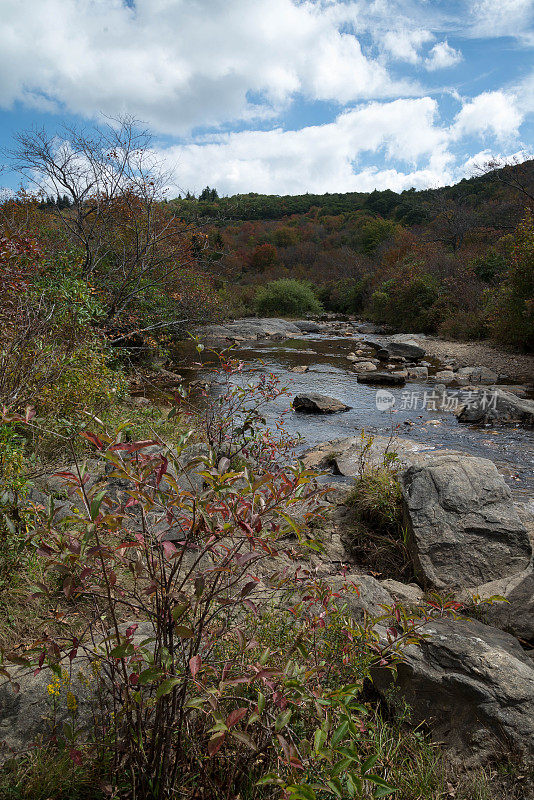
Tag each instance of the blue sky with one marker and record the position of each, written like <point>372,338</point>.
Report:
<point>282,96</point>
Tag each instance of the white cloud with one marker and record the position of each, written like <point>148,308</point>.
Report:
<point>405,45</point>
<point>178,64</point>
<point>441,56</point>
<point>493,113</point>
<point>493,18</point>
<point>325,157</point>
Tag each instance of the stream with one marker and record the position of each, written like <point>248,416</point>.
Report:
<point>331,373</point>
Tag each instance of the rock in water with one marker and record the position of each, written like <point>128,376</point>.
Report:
<point>463,529</point>
<point>474,685</point>
<point>496,405</point>
<point>381,379</point>
<point>313,403</point>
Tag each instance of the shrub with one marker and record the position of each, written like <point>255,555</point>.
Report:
<point>14,486</point>
<point>344,297</point>
<point>287,297</point>
<point>463,325</point>
<point>409,300</point>
<point>198,685</point>
<point>511,309</point>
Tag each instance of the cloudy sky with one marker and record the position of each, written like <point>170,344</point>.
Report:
<point>282,96</point>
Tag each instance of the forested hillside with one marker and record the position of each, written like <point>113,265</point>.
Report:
<point>457,260</point>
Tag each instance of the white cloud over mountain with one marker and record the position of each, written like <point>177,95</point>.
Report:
<point>238,68</point>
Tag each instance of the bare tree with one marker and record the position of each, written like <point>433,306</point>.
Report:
<point>115,184</point>
<point>516,174</point>
<point>452,219</point>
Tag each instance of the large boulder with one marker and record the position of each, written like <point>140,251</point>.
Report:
<point>472,683</point>
<point>463,529</point>
<point>408,349</point>
<point>495,405</point>
<point>314,403</point>
<point>516,614</point>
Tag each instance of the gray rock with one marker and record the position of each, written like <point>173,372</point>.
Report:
<point>517,614</point>
<point>249,330</point>
<point>314,403</point>
<point>365,366</point>
<point>307,326</point>
<point>479,374</point>
<point>362,594</point>
<point>496,406</point>
<point>473,684</point>
<point>418,372</point>
<point>370,328</point>
<point>382,379</point>
<point>409,594</point>
<point>463,528</point>
<point>408,349</point>
<point>445,376</point>
<point>351,455</point>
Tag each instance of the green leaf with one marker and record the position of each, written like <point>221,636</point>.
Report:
<point>124,649</point>
<point>301,792</point>
<point>261,702</point>
<point>340,733</point>
<point>378,781</point>
<point>282,720</point>
<point>369,764</point>
<point>167,686</point>
<point>183,632</point>
<point>179,610</point>
<point>269,778</point>
<point>149,675</point>
<point>336,787</point>
<point>96,502</point>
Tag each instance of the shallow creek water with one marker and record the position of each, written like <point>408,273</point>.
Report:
<point>331,373</point>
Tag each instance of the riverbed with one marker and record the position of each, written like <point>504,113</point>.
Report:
<point>412,415</point>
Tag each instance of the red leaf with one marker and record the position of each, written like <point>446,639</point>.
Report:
<point>215,744</point>
<point>91,437</point>
<point>235,716</point>
<point>194,665</point>
<point>162,470</point>
<point>76,756</point>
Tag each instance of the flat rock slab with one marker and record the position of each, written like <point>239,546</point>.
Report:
<point>250,330</point>
<point>473,684</point>
<point>313,403</point>
<point>381,379</point>
<point>350,455</point>
<point>463,529</point>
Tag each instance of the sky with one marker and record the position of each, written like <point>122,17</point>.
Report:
<point>281,96</point>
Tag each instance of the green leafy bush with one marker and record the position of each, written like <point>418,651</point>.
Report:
<point>287,297</point>
<point>511,309</point>
<point>412,300</point>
